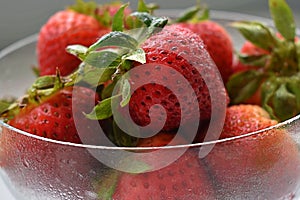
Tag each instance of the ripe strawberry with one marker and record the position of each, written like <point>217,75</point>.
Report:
<point>170,68</point>
<point>265,163</point>
<point>181,51</point>
<point>218,43</point>
<point>267,72</point>
<point>185,178</point>
<point>160,139</point>
<point>62,29</point>
<point>59,116</point>
<point>54,117</point>
<point>34,163</point>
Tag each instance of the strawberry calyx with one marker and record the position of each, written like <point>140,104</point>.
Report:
<point>104,63</point>
<point>112,56</point>
<point>276,72</point>
<point>103,13</point>
<point>87,8</point>
<point>42,88</point>
<point>193,14</point>
<point>91,8</point>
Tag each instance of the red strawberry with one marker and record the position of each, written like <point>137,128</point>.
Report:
<point>186,178</point>
<point>268,72</point>
<point>62,29</point>
<point>181,51</point>
<point>160,139</point>
<point>218,43</point>
<point>266,163</point>
<point>54,117</point>
<point>59,116</point>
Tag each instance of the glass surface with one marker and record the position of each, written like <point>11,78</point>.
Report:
<point>261,165</point>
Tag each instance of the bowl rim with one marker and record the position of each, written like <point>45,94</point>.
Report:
<point>216,14</point>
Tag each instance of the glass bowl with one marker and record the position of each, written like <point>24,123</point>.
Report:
<point>259,165</point>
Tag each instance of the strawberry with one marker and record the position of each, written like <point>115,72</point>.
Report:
<point>264,163</point>
<point>54,118</point>
<point>62,29</point>
<point>218,43</point>
<point>54,111</point>
<point>175,47</point>
<point>170,68</point>
<point>185,178</point>
<point>43,163</point>
<point>267,73</point>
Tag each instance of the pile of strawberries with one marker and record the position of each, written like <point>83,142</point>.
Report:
<point>87,48</point>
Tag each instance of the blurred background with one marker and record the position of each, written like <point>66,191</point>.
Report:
<point>19,19</point>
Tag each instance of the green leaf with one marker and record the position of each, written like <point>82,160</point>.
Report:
<point>283,18</point>
<point>4,105</point>
<point>108,90</point>
<point>268,89</point>
<point>188,14</point>
<point>103,109</point>
<point>106,184</point>
<point>293,86</point>
<point>118,19</point>
<point>122,139</point>
<point>298,54</point>
<point>285,103</point>
<point>243,85</point>
<point>103,59</point>
<point>135,166</point>
<point>126,94</point>
<point>143,7</point>
<point>150,20</point>
<point>87,8</point>
<point>205,15</point>
<point>254,60</point>
<point>77,50</point>
<point>257,33</point>
<point>115,39</point>
<point>44,82</point>
<point>138,55</point>
<point>95,76</point>
<point>44,86</point>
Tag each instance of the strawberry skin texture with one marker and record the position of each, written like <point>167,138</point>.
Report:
<point>54,119</point>
<point>185,178</point>
<point>176,48</point>
<point>62,29</point>
<point>267,164</point>
<point>217,42</point>
<point>161,139</point>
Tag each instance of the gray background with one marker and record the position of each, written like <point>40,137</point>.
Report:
<point>20,18</point>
